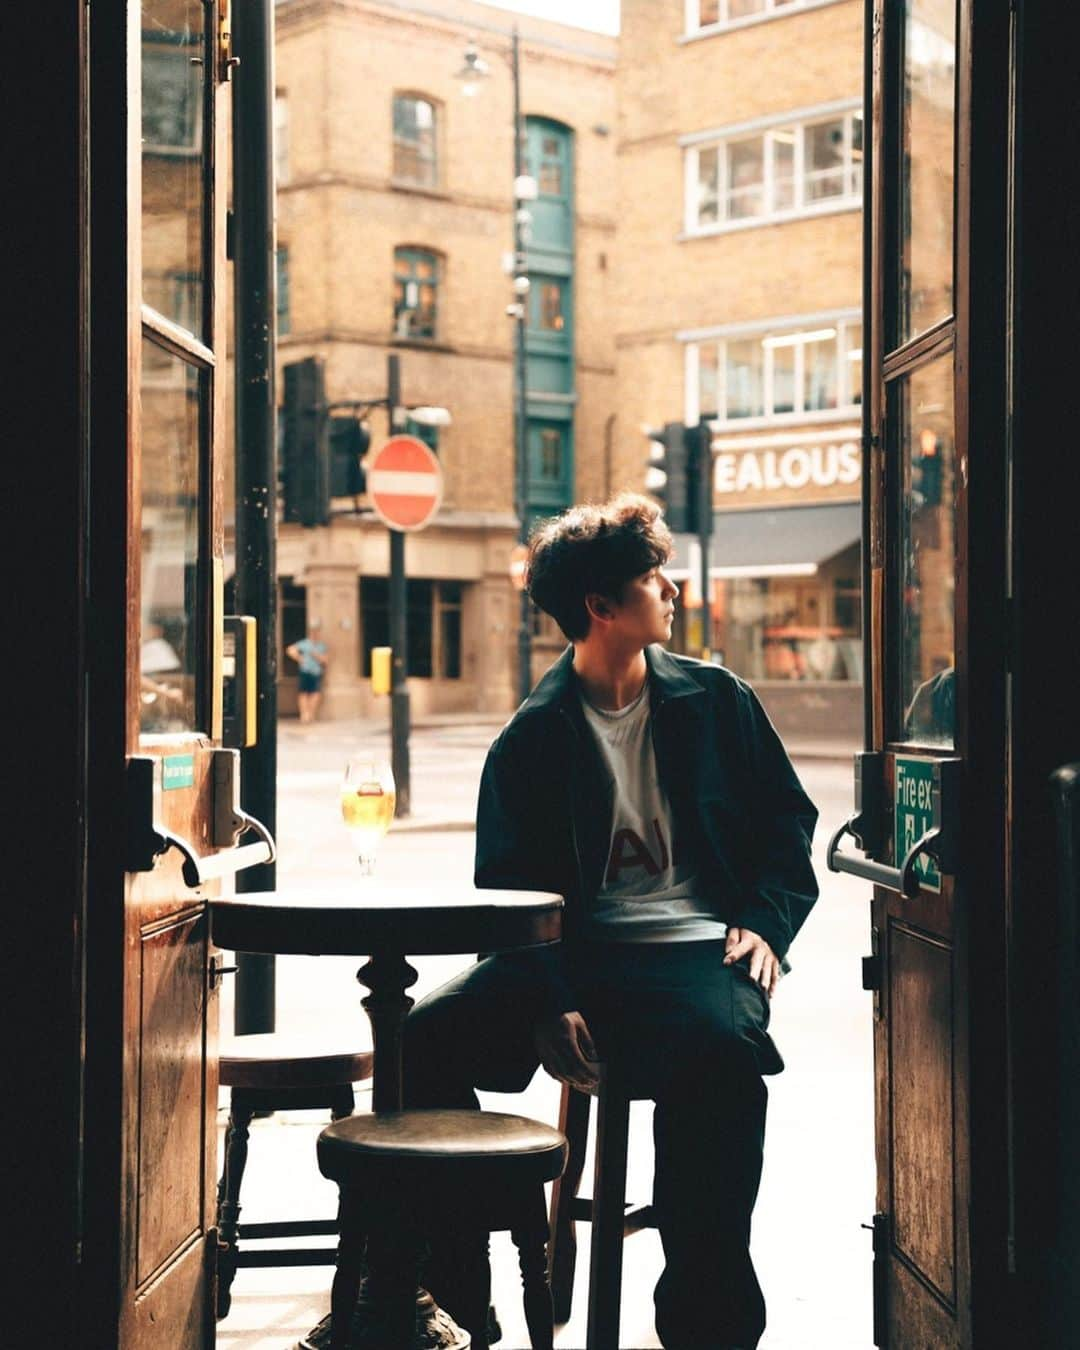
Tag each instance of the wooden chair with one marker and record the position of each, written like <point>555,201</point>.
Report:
<point>606,1211</point>
<point>418,1168</point>
<point>272,1073</point>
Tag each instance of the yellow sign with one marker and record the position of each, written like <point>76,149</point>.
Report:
<point>380,670</point>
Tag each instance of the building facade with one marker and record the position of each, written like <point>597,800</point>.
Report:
<point>395,203</point>
<point>740,181</point>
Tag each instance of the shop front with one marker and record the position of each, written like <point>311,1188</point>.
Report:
<point>784,572</point>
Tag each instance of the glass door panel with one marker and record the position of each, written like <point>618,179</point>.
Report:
<point>922,422</point>
<point>926,173</point>
<point>174,159</point>
<point>170,611</point>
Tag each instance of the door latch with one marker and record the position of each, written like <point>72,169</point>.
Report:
<point>217,969</point>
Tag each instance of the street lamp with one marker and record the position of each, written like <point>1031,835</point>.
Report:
<point>472,75</point>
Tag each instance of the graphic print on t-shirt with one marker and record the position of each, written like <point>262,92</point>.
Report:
<point>649,892</point>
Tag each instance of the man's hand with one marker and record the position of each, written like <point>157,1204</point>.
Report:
<point>764,966</point>
<point>567,1052</point>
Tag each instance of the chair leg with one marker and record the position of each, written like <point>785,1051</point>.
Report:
<point>241,1112</point>
<point>345,1289</point>
<point>530,1238</point>
<point>609,1194</point>
<point>342,1102</point>
<point>562,1238</point>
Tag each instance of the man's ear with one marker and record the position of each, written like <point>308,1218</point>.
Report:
<point>598,606</point>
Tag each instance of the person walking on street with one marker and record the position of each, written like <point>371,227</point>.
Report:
<point>310,655</point>
<point>652,792</point>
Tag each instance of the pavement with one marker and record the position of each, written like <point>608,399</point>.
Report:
<point>810,1245</point>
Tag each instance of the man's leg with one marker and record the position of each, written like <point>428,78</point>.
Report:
<point>709,1130</point>
<point>474,1032</point>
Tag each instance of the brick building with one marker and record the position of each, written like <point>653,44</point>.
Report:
<point>740,181</point>
<point>394,222</point>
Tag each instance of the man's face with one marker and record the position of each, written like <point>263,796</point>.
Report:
<point>647,608</point>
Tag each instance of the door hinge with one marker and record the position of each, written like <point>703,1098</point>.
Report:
<point>871,973</point>
<point>230,236</point>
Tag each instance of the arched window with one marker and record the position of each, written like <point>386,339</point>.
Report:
<point>417,273</point>
<point>416,148</point>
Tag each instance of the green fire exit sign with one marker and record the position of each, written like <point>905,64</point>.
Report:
<point>915,815</point>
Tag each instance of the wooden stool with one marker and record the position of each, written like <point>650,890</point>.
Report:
<point>416,1168</point>
<point>606,1210</point>
<point>273,1073</point>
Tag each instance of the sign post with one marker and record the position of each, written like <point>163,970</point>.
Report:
<point>404,483</point>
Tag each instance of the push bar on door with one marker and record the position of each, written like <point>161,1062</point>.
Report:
<point>197,869</point>
<point>902,879</point>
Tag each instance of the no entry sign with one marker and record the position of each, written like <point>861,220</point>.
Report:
<point>404,481</point>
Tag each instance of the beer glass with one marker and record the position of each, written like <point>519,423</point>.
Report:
<point>367,806</point>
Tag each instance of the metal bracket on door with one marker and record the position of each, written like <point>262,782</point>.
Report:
<point>903,879</point>
<point>865,827</point>
<point>147,840</point>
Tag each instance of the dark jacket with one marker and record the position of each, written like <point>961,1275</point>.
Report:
<point>544,814</point>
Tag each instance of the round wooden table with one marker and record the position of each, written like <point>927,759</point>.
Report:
<point>387,924</point>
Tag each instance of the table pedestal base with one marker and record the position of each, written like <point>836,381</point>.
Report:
<point>435,1329</point>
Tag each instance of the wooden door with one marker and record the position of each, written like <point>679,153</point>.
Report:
<point>914,780</point>
<point>174,568</point>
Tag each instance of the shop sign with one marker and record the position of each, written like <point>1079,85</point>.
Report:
<point>799,469</point>
<point>914,814</point>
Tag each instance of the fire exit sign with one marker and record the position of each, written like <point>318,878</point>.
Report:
<point>915,815</point>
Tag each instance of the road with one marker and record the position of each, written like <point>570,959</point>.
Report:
<point>812,1254</point>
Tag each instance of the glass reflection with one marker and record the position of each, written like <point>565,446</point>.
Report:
<point>928,553</point>
<point>170,542</point>
<point>926,197</point>
<point>173,159</point>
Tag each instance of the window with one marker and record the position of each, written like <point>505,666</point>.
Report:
<point>784,373</point>
<point>432,624</point>
<point>778,172</point>
<point>713,14</point>
<point>551,460</point>
<point>422,432</point>
<point>415,150</point>
<point>548,312</point>
<point>416,286</point>
<point>281,263</point>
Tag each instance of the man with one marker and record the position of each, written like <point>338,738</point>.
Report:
<point>652,792</point>
<point>310,655</point>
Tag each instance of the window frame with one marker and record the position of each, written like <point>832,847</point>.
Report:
<point>770,132</point>
<point>694,29</point>
<point>413,252</point>
<point>846,323</point>
<point>407,181</point>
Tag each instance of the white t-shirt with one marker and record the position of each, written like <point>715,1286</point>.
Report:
<point>648,894</point>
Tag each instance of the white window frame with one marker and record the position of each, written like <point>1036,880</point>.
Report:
<point>845,321</point>
<point>799,121</point>
<point>695,29</point>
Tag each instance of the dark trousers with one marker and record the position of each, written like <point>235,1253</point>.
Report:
<point>686,1031</point>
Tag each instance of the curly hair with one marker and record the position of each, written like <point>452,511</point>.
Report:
<point>593,549</point>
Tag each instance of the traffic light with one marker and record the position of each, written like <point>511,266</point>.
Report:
<point>349,441</point>
<point>666,475</point>
<point>698,441</point>
<point>679,476</point>
<point>305,444</point>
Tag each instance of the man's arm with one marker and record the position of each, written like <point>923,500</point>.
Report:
<point>781,887</point>
<point>510,854</point>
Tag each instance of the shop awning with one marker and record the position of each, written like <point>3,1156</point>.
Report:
<point>789,542</point>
